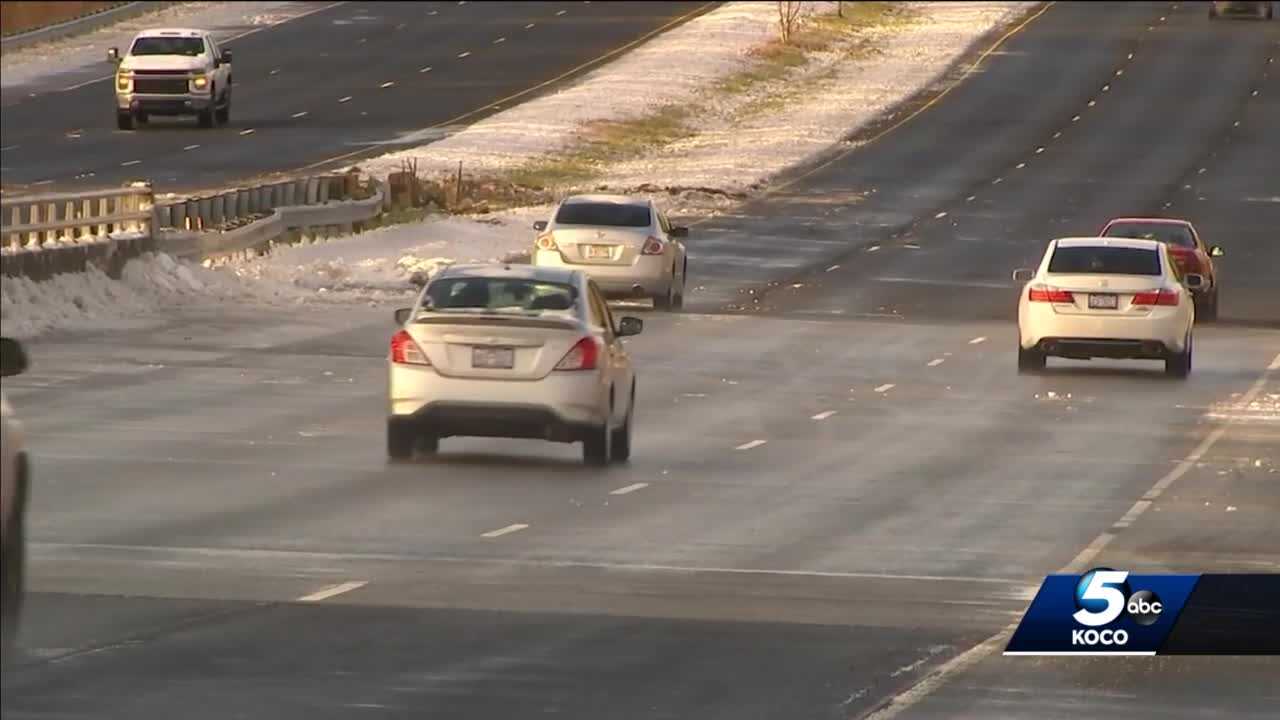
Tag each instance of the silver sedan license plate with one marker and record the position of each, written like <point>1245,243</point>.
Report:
<point>494,358</point>
<point>599,252</point>
<point>1103,302</point>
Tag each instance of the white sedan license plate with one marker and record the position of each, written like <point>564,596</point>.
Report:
<point>494,358</point>
<point>599,252</point>
<point>1103,302</point>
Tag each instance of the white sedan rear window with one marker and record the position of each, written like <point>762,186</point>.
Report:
<point>1097,260</point>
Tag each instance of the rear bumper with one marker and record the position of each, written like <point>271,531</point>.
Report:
<point>164,104</point>
<point>1165,327</point>
<point>556,406</point>
<point>506,420</point>
<point>1084,348</point>
<point>649,275</point>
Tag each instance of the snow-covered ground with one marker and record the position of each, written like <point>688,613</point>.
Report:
<point>373,267</point>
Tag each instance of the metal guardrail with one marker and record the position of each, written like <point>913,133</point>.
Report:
<point>232,207</point>
<point>30,221</point>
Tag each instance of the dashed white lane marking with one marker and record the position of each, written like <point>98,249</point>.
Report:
<point>464,53</point>
<point>247,131</point>
<point>750,445</point>
<point>127,163</point>
<point>1020,165</point>
<point>1075,118</point>
<point>1137,509</point>
<point>971,198</point>
<point>1092,103</point>
<point>9,147</point>
<point>346,99</point>
<point>833,267</point>
<point>517,527</point>
<point>885,388</point>
<point>978,340</point>
<point>499,40</point>
<point>300,114</point>
<point>561,13</point>
<point>387,84</point>
<point>189,148</point>
<point>629,489</point>
<point>823,415</point>
<point>529,26</point>
<point>43,182</point>
<point>981,651</point>
<point>936,362</point>
<point>940,215</point>
<point>329,592</point>
<point>434,12</point>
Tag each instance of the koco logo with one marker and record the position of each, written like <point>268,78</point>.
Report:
<point>1102,597</point>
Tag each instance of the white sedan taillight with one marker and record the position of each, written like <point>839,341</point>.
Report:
<point>405,351</point>
<point>1163,296</point>
<point>653,246</point>
<point>584,355</point>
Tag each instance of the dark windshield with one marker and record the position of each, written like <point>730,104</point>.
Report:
<point>609,214</point>
<point>499,294</point>
<point>188,46</point>
<point>1091,260</point>
<point>1166,233</point>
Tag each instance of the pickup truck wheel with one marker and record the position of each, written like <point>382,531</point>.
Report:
<point>209,117</point>
<point>124,120</point>
<point>224,112</point>
<point>13,561</point>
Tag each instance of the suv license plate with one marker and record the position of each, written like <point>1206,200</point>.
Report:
<point>493,358</point>
<point>1103,302</point>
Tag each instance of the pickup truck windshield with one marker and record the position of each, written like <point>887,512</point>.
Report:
<point>189,46</point>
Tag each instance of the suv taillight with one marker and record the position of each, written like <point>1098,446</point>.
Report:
<point>1163,296</point>
<point>405,351</point>
<point>652,246</point>
<point>1044,293</point>
<point>584,355</point>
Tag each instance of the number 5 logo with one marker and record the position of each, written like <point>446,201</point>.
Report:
<point>1100,602</point>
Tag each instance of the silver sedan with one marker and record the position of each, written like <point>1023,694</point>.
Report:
<point>627,245</point>
<point>511,351</point>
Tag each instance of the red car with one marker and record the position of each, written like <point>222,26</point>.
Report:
<point>1188,251</point>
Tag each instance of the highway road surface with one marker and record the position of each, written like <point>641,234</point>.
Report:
<point>841,493</point>
<point>339,82</point>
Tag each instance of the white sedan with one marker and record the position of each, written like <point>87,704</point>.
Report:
<point>511,351</point>
<point>1106,297</point>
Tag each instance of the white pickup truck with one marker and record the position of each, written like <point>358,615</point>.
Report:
<point>172,71</point>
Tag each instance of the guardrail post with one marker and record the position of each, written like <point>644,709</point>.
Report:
<point>163,216</point>
<point>178,215</point>
<point>313,191</point>
<point>227,202</point>
<point>242,203</point>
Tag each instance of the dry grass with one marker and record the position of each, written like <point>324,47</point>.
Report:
<point>605,143</point>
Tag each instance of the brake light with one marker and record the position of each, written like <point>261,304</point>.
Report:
<point>405,351</point>
<point>582,356</point>
<point>653,246</point>
<point>1044,293</point>
<point>546,242</point>
<point>1156,297</point>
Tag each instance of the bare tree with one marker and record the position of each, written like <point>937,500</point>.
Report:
<point>790,15</point>
<point>840,8</point>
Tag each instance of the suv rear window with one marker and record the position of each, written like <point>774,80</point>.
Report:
<point>1166,233</point>
<point>1095,260</point>
<point>500,294</point>
<point>188,46</point>
<point>607,214</point>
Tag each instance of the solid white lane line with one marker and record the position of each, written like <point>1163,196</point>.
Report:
<point>823,415</point>
<point>504,531</point>
<point>978,340</point>
<point>300,114</point>
<point>344,99</point>
<point>387,84</point>
<point>750,445</point>
<point>629,489</point>
<point>464,53</point>
<point>329,592</point>
<point>885,387</point>
<point>127,163</point>
<point>190,147</point>
<point>936,362</point>
<point>247,131</point>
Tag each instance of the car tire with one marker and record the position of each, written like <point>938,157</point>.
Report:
<point>428,444</point>
<point>620,451</point>
<point>1178,365</point>
<point>665,301</point>
<point>14,576</point>
<point>595,446</point>
<point>1207,309</point>
<point>207,118</point>
<point>402,438</point>
<point>1030,360</point>
<point>124,120</point>
<point>223,114</point>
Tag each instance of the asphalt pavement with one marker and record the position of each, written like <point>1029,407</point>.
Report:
<point>339,82</point>
<point>837,502</point>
